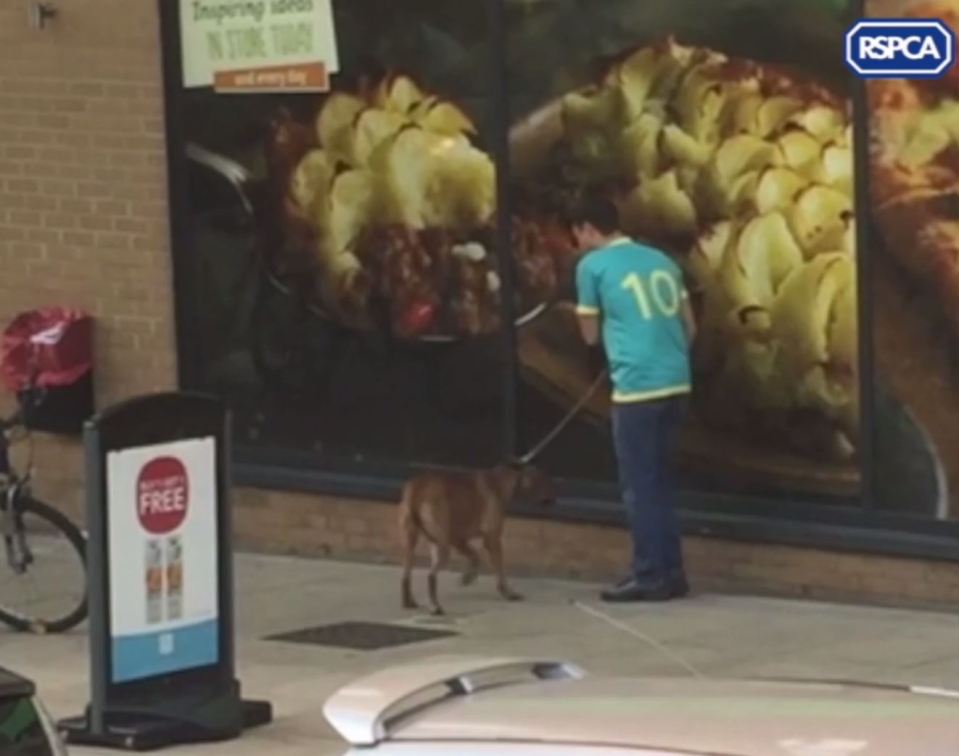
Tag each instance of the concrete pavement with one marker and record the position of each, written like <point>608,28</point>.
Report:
<point>716,635</point>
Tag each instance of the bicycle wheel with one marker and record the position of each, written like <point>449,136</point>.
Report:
<point>48,594</point>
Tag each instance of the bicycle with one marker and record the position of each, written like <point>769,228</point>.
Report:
<point>45,587</point>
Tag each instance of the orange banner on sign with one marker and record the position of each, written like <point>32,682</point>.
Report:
<point>307,77</point>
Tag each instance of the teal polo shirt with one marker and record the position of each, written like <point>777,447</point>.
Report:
<point>638,293</point>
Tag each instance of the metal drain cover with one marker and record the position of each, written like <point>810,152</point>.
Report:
<point>361,636</point>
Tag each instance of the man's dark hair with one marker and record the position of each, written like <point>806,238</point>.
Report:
<point>599,212</point>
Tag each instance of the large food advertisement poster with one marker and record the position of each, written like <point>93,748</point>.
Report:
<point>914,178</point>
<point>162,531</point>
<point>347,291</point>
<point>724,132</point>
<point>348,296</point>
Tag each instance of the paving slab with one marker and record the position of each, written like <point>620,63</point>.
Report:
<point>715,635</point>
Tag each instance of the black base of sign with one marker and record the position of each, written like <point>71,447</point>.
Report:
<point>130,730</point>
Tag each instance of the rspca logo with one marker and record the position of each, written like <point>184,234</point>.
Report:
<point>900,49</point>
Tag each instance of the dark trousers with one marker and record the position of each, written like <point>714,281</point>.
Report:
<point>643,434</point>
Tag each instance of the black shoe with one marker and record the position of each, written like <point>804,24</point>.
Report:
<point>678,584</point>
<point>633,592</point>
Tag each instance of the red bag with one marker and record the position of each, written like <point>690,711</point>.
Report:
<point>49,347</point>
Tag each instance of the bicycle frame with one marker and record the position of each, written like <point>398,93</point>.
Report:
<point>25,524</point>
<point>14,487</point>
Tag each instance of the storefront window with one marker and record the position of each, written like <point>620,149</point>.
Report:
<point>341,281</point>
<point>343,265</point>
<point>724,132</point>
<point>915,286</point>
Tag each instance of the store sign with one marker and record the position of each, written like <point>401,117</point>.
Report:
<point>258,45</point>
<point>908,49</point>
<point>162,536</point>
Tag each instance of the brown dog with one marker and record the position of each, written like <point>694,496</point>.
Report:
<point>454,508</point>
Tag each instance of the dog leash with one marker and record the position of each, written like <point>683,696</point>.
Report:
<point>567,419</point>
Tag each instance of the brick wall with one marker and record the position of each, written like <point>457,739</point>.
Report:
<point>83,222</point>
<point>307,525</point>
<point>83,211</point>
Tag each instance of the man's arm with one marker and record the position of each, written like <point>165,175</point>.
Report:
<point>589,327</point>
<point>588,310</point>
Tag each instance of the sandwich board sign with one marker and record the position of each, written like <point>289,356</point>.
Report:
<point>159,563</point>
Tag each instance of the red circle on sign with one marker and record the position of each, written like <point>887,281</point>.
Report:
<point>163,495</point>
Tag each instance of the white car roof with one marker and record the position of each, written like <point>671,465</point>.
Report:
<point>538,701</point>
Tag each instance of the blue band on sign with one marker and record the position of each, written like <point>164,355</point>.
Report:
<point>137,657</point>
<point>891,48</point>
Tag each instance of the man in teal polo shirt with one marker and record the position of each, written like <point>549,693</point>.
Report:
<point>632,299</point>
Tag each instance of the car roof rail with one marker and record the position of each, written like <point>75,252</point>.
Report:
<point>919,690</point>
<point>363,711</point>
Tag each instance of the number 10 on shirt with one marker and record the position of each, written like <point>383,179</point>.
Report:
<point>659,296</point>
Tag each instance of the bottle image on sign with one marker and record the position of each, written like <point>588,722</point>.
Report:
<point>154,582</point>
<point>174,578</point>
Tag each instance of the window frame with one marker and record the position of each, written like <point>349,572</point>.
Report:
<point>853,525</point>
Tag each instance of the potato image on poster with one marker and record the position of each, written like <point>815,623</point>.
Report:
<point>914,183</point>
<point>386,191</point>
<point>743,172</point>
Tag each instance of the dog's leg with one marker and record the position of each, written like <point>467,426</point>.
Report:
<point>409,535</point>
<point>495,550</point>
<point>473,564</point>
<point>439,555</point>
